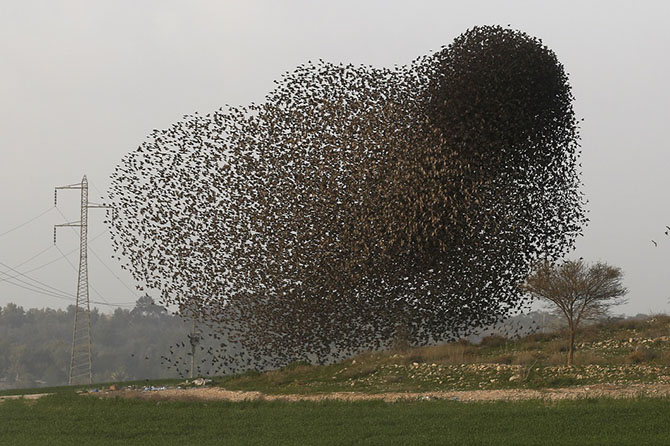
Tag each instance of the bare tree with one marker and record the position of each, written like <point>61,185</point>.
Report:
<point>578,290</point>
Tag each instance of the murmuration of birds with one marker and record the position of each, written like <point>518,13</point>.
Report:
<point>357,206</point>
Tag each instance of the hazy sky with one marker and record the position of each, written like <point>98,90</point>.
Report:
<point>83,82</point>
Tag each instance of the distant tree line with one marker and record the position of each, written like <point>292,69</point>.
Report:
<point>127,344</point>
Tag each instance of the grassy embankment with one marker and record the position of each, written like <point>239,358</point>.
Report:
<point>615,352</point>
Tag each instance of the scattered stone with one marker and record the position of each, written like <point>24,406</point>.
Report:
<point>201,381</point>
<point>154,388</point>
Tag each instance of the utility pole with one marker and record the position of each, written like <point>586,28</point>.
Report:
<point>194,339</point>
<point>80,357</point>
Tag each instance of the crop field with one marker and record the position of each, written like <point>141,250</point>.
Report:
<point>67,418</point>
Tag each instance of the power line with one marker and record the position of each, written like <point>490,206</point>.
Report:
<point>70,298</point>
<point>36,289</point>
<point>27,222</point>
<point>49,290</point>
<point>41,292</point>
<point>34,256</point>
<point>82,251</point>
<point>75,270</point>
<point>134,292</point>
<point>26,261</point>
<point>97,190</point>
<point>62,256</point>
<point>24,281</point>
<point>44,286</point>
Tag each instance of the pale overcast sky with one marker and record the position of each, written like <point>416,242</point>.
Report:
<point>83,82</point>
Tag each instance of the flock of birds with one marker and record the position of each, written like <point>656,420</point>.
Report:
<point>357,205</point>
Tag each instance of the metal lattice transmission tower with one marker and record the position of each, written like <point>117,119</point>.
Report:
<point>80,357</point>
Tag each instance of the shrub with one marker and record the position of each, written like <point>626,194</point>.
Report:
<point>586,358</point>
<point>592,332</point>
<point>640,355</point>
<point>556,359</point>
<point>633,324</point>
<point>297,366</point>
<point>355,373</point>
<point>493,341</point>
<point>541,337</point>
<point>251,373</point>
<point>562,381</point>
<point>527,358</point>
<point>503,359</point>
<point>451,353</point>
<point>557,346</point>
<point>414,356</point>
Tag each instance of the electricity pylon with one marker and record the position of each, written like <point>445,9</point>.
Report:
<point>80,358</point>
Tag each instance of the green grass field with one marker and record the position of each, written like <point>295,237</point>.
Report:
<point>68,419</point>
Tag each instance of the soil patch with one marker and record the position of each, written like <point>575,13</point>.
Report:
<point>32,396</point>
<point>633,390</point>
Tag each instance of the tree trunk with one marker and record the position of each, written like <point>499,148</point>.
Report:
<point>571,350</point>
